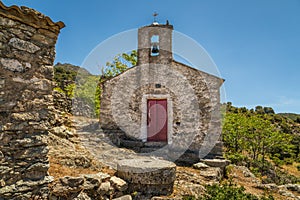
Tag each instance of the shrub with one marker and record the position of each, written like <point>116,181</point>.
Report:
<point>288,161</point>
<point>230,192</point>
<point>277,161</point>
<point>237,158</point>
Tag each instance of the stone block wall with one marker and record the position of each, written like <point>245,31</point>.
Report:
<point>27,51</point>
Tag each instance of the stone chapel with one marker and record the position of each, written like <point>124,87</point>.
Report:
<point>161,106</point>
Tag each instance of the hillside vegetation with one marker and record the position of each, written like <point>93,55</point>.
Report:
<point>292,116</point>
<point>263,141</point>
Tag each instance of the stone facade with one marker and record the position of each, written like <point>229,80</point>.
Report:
<point>27,51</point>
<point>193,100</point>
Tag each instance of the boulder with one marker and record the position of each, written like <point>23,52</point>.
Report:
<point>82,196</point>
<point>67,186</point>
<point>212,174</point>
<point>104,189</point>
<point>293,187</point>
<point>246,172</point>
<point>125,197</point>
<point>200,165</point>
<point>118,183</point>
<point>221,163</point>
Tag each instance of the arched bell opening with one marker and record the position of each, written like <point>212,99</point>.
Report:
<point>155,45</point>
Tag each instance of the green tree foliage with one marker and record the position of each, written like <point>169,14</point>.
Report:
<point>119,64</point>
<point>76,82</point>
<point>254,135</point>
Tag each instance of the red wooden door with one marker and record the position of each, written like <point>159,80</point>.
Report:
<point>157,120</point>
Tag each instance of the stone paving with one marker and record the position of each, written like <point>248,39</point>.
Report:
<point>99,144</point>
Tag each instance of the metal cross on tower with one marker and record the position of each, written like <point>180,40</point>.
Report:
<point>155,14</point>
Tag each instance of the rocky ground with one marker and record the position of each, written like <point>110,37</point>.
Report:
<point>83,157</point>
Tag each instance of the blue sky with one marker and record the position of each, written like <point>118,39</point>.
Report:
<point>254,43</point>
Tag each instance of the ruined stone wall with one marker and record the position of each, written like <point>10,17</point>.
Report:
<point>27,51</point>
<point>194,96</point>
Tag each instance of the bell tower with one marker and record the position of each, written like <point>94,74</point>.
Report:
<point>155,44</point>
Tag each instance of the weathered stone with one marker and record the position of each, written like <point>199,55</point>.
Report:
<point>270,186</point>
<point>287,194</point>
<point>7,189</point>
<point>41,84</point>
<point>246,172</point>
<point>103,176</point>
<point>293,187</point>
<point>62,131</point>
<point>104,188</point>
<point>2,45</point>
<point>61,190</point>
<point>96,179</point>
<point>82,196</point>
<point>212,174</point>
<point>200,165</point>
<point>125,197</point>
<point>43,39</point>
<point>151,176</point>
<point>48,33</point>
<point>25,27</point>
<point>36,171</point>
<point>23,45</point>
<point>216,162</point>
<point>76,160</point>
<point>33,116</point>
<point>118,183</point>
<point>2,183</point>
<point>2,82</point>
<point>12,65</point>
<point>17,32</point>
<point>7,22</point>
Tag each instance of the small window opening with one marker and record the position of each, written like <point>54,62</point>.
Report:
<point>155,45</point>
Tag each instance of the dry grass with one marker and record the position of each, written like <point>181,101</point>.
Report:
<point>249,184</point>
<point>58,170</point>
<point>292,169</point>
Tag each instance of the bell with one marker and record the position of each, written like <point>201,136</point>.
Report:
<point>155,48</point>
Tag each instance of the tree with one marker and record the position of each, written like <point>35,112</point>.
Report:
<point>253,134</point>
<point>268,110</point>
<point>119,64</point>
<point>259,110</point>
<point>233,132</point>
